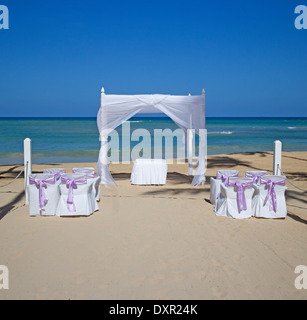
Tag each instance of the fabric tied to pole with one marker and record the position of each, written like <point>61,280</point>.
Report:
<point>271,192</point>
<point>255,176</point>
<point>72,183</point>
<point>90,173</point>
<point>225,177</point>
<point>240,193</point>
<point>42,185</point>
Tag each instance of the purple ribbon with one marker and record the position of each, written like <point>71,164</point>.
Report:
<point>271,192</point>
<point>256,177</point>
<point>240,193</point>
<point>42,184</point>
<point>225,177</point>
<point>57,174</point>
<point>90,173</point>
<point>72,183</point>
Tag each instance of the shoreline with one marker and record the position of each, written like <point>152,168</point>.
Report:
<point>155,242</point>
<point>167,159</point>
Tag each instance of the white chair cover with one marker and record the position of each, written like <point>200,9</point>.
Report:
<point>215,189</point>
<point>263,198</point>
<point>215,184</point>
<point>57,172</point>
<point>227,204</point>
<point>255,175</point>
<point>149,171</point>
<point>44,194</point>
<point>83,196</point>
<point>90,173</point>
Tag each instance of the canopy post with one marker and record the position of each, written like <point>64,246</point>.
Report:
<point>190,147</point>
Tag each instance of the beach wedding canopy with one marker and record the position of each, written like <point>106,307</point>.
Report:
<point>188,112</point>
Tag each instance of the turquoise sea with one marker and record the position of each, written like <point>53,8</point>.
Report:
<point>57,140</point>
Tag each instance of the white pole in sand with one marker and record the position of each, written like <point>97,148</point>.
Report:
<point>277,158</point>
<point>27,153</point>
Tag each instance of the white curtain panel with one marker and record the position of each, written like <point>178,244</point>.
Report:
<point>188,112</point>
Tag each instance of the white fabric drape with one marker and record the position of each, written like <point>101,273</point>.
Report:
<point>188,112</point>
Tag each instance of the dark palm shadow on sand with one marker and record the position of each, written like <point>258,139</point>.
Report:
<point>11,205</point>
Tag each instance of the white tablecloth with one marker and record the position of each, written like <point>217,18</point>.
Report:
<point>149,171</point>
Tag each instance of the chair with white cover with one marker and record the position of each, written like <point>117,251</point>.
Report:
<point>57,172</point>
<point>269,200</point>
<point>235,200</point>
<point>255,175</point>
<point>222,176</point>
<point>90,174</point>
<point>77,196</point>
<point>44,194</point>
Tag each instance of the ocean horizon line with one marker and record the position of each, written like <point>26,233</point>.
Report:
<point>155,116</point>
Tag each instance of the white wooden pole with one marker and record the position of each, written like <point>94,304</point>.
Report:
<point>277,158</point>
<point>27,147</point>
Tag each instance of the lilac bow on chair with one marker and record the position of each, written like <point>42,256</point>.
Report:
<point>58,174</point>
<point>90,173</point>
<point>240,193</point>
<point>271,192</point>
<point>71,183</point>
<point>255,176</point>
<point>225,177</point>
<point>42,184</point>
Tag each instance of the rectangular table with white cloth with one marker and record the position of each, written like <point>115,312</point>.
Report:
<point>149,172</point>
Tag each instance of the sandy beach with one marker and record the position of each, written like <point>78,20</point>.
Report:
<point>155,242</point>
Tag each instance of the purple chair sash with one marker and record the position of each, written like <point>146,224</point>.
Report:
<point>240,192</point>
<point>225,177</point>
<point>42,184</point>
<point>71,183</point>
<point>271,192</point>
<point>254,176</point>
<point>88,172</point>
<point>57,173</point>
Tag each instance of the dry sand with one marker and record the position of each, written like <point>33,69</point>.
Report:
<point>155,242</point>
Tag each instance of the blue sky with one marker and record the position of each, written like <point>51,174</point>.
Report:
<point>247,55</point>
